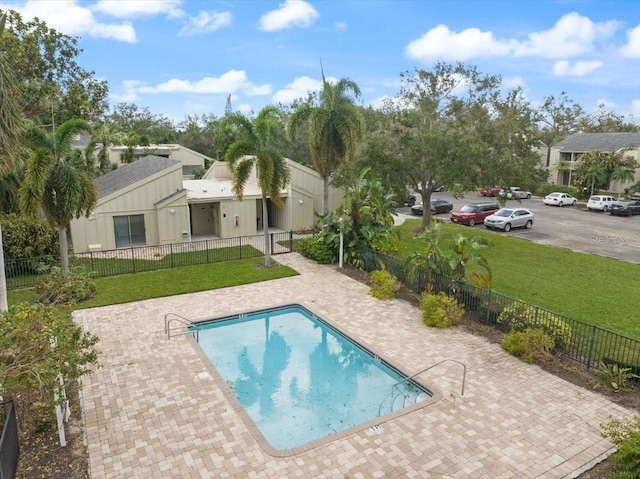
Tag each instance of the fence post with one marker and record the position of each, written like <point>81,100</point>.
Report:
<point>171,253</point>
<point>240,238</point>
<point>270,243</point>
<point>591,346</point>
<point>291,241</point>
<point>486,319</point>
<point>535,318</point>
<point>133,260</point>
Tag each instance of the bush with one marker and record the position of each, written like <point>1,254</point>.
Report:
<point>56,289</point>
<point>625,435</point>
<point>317,249</point>
<point>440,310</point>
<point>521,317</point>
<point>384,285</point>
<point>23,237</point>
<point>616,376</point>
<point>529,346</point>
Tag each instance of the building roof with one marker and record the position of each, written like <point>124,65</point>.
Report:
<point>128,174</point>
<point>584,142</point>
<point>217,189</point>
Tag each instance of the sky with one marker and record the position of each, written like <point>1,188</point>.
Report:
<point>185,57</point>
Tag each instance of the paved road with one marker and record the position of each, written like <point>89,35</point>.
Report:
<point>568,227</point>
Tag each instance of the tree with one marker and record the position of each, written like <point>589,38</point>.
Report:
<point>105,135</point>
<point>624,174</point>
<point>335,128</point>
<point>591,170</point>
<point>63,189</point>
<point>439,128</point>
<point>252,149</point>
<point>558,118</point>
<point>48,75</point>
<point>130,118</point>
<point>10,136</point>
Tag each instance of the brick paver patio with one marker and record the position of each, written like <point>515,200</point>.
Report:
<point>156,409</point>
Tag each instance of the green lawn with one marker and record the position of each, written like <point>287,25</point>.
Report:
<point>589,288</point>
<point>140,286</point>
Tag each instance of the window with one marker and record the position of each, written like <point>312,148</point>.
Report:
<point>129,231</point>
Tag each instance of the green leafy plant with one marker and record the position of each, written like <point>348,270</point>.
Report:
<point>384,285</point>
<point>317,248</point>
<point>616,376</point>
<point>529,346</point>
<point>58,289</point>
<point>522,317</point>
<point>625,435</point>
<point>440,310</point>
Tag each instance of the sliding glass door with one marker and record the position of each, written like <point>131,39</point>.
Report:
<point>129,231</point>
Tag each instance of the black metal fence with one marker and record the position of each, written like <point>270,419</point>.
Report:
<point>9,447</point>
<point>25,273</point>
<point>585,343</point>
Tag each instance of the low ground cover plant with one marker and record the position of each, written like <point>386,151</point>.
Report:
<point>384,285</point>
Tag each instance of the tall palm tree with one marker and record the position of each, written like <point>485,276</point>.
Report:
<point>11,122</point>
<point>106,135</point>
<point>54,183</point>
<point>623,174</point>
<point>335,128</point>
<point>252,148</point>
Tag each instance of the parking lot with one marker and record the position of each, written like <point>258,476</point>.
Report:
<point>574,227</point>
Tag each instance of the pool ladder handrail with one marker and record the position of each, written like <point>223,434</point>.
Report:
<point>182,320</point>
<point>410,378</point>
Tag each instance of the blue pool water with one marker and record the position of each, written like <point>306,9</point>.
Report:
<point>298,378</point>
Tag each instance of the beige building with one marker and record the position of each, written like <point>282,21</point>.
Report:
<point>190,160</point>
<point>152,202</point>
<point>566,154</point>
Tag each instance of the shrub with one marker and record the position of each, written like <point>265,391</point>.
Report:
<point>521,317</point>
<point>56,289</point>
<point>317,249</point>
<point>616,376</point>
<point>24,237</point>
<point>440,310</point>
<point>384,285</point>
<point>625,435</point>
<point>529,345</point>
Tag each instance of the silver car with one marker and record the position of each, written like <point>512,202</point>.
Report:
<point>507,218</point>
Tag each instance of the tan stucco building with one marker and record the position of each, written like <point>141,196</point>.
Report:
<point>152,202</point>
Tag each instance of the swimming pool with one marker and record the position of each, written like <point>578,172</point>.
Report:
<point>299,379</point>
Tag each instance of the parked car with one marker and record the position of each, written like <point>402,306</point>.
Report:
<point>474,213</point>
<point>625,208</point>
<point>437,206</point>
<point>515,192</point>
<point>559,199</point>
<point>635,196</point>
<point>600,202</point>
<point>490,191</point>
<point>507,218</point>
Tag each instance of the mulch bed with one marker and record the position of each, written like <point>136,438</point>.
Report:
<point>42,457</point>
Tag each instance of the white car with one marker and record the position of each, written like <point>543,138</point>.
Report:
<point>507,218</point>
<point>559,199</point>
<point>600,202</point>
<point>515,192</point>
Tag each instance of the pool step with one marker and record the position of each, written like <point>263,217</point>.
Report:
<point>401,400</point>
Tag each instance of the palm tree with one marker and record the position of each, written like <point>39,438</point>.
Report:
<point>106,135</point>
<point>335,128</point>
<point>623,174</point>
<point>53,182</point>
<point>252,148</point>
<point>11,122</point>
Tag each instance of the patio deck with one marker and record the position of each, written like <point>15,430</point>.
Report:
<point>156,409</point>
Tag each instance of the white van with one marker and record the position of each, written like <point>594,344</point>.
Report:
<point>600,202</point>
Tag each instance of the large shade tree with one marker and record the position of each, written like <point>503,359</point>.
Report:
<point>252,149</point>
<point>55,184</point>
<point>335,127</point>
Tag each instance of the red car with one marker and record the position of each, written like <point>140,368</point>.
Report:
<point>473,214</point>
<point>490,191</point>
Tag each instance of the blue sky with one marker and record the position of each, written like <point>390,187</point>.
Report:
<point>185,57</point>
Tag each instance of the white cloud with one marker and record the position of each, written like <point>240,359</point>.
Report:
<point>563,68</point>
<point>635,111</point>
<point>440,42</point>
<point>292,13</point>
<point>230,82</point>
<point>341,26</point>
<point>137,8</point>
<point>206,22</point>
<point>127,93</point>
<point>632,48</point>
<point>72,19</point>
<point>513,82</point>
<point>572,35</point>
<point>298,88</point>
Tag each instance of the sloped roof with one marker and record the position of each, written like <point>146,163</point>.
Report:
<point>584,142</point>
<point>128,174</point>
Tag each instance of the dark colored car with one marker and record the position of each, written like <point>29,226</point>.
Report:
<point>411,200</point>
<point>437,206</point>
<point>490,191</point>
<point>625,208</point>
<point>473,214</point>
